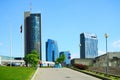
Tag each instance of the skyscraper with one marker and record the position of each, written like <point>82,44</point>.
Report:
<point>32,32</point>
<point>88,45</point>
<point>51,50</point>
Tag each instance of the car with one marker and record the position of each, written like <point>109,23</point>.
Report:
<point>13,64</point>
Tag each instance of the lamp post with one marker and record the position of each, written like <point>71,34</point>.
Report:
<point>106,36</point>
<point>21,41</point>
<point>10,46</point>
<point>80,49</point>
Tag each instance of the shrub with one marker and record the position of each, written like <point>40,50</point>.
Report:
<point>81,66</point>
<point>32,58</point>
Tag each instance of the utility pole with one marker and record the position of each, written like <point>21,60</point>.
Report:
<point>21,40</point>
<point>10,46</point>
<point>107,63</point>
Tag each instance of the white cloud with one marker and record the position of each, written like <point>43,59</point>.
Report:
<point>100,52</point>
<point>116,44</point>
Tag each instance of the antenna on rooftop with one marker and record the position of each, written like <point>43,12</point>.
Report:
<point>30,6</point>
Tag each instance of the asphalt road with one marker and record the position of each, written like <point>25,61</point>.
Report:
<point>61,74</point>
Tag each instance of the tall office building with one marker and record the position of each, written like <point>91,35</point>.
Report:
<point>88,45</point>
<point>32,32</point>
<point>51,50</point>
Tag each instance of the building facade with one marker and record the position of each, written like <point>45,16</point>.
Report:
<point>32,32</point>
<point>67,57</point>
<point>88,45</point>
<point>51,50</point>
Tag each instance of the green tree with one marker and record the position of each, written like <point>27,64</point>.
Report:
<point>32,58</point>
<point>61,58</point>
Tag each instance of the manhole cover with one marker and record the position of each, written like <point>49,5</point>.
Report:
<point>67,77</point>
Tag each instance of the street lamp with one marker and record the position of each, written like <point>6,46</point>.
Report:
<point>80,49</point>
<point>106,36</point>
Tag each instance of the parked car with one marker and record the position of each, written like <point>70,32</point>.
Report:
<point>13,64</point>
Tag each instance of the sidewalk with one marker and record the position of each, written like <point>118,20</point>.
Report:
<point>61,74</point>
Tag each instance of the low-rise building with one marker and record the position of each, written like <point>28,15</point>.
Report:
<point>46,63</point>
<point>6,60</point>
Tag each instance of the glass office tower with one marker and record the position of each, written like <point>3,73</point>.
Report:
<point>88,45</point>
<point>51,50</point>
<point>32,32</point>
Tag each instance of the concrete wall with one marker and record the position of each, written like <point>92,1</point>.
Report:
<point>113,60</point>
<point>82,61</point>
<point>100,61</point>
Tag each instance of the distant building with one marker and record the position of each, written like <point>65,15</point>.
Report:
<point>49,64</point>
<point>113,60</point>
<point>88,45</point>
<point>32,32</point>
<point>51,50</point>
<point>68,57</point>
<point>5,59</point>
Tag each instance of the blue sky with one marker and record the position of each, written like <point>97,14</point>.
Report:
<point>62,21</point>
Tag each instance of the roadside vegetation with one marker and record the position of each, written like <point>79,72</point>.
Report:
<point>16,73</point>
<point>91,71</point>
<point>111,70</point>
<point>60,59</point>
<point>32,59</point>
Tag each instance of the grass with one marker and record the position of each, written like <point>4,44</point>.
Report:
<point>16,73</point>
<point>99,75</point>
<point>46,67</point>
<point>102,75</point>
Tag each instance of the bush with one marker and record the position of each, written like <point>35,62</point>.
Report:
<point>81,66</point>
<point>32,58</point>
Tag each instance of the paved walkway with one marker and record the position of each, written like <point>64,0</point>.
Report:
<point>61,74</point>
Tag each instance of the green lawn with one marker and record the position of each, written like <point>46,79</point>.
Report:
<point>16,73</point>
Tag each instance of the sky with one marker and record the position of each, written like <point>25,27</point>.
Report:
<point>62,21</point>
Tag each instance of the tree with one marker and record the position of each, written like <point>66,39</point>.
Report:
<point>61,58</point>
<point>32,58</point>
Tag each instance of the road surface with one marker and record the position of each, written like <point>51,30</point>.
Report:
<point>61,74</point>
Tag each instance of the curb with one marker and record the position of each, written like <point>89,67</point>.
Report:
<point>33,77</point>
<point>103,78</point>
